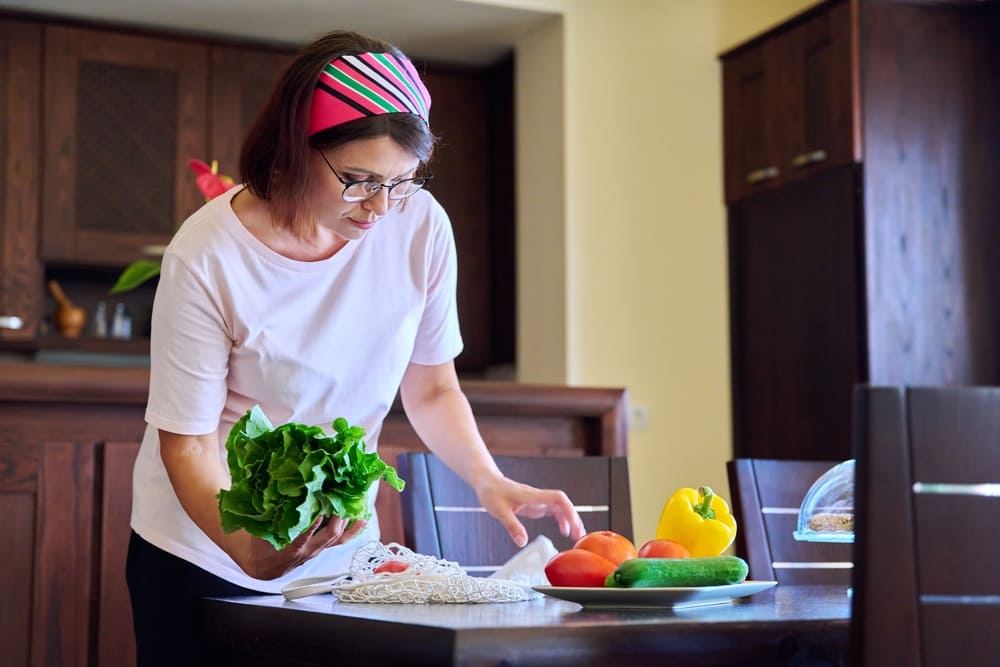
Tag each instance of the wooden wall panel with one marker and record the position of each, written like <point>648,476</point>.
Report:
<point>18,488</point>
<point>20,128</point>
<point>461,183</point>
<point>115,639</point>
<point>64,556</point>
<point>932,203</point>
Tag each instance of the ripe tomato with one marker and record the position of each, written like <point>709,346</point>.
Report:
<point>664,549</point>
<point>391,566</point>
<point>578,567</point>
<point>608,544</point>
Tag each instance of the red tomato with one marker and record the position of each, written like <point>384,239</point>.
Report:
<point>664,549</point>
<point>578,567</point>
<point>608,544</point>
<point>391,566</point>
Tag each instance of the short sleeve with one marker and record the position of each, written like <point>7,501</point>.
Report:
<point>189,353</point>
<point>439,337</point>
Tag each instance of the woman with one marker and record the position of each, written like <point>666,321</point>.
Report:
<point>317,290</point>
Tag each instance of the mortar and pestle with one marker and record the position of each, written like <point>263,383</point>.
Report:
<point>69,318</point>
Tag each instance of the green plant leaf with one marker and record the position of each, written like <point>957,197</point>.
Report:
<point>135,274</point>
<point>283,478</point>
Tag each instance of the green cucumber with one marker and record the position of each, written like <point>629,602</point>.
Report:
<point>678,572</point>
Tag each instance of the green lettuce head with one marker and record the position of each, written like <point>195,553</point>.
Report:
<point>284,478</point>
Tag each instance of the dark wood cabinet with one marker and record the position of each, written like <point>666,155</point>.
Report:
<point>46,499</point>
<point>123,114</point>
<point>99,125</point>
<point>62,587</point>
<point>114,608</point>
<point>242,80</point>
<point>462,177</point>
<point>819,87</point>
<point>20,100</point>
<point>797,317</point>
<point>790,101</point>
<point>66,450</point>
<point>876,271</point>
<point>69,441</point>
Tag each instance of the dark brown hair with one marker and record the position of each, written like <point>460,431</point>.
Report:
<point>274,161</point>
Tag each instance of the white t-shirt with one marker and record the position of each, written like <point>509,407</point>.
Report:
<point>236,324</point>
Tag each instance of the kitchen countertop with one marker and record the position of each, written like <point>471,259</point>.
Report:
<point>45,383</point>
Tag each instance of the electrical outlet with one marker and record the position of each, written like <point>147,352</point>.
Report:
<point>638,418</point>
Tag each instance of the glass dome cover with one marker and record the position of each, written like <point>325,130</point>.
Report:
<point>827,511</point>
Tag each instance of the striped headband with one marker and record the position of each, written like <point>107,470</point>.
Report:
<point>369,84</point>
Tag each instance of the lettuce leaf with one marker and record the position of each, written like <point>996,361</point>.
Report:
<point>284,477</point>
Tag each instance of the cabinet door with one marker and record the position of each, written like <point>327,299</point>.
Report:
<point>817,80</point>
<point>46,499</point>
<point>751,132</point>
<point>242,80</point>
<point>123,115</point>
<point>20,98</point>
<point>797,322</point>
<point>463,173</point>
<point>115,640</point>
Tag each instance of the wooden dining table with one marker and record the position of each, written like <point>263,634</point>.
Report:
<point>786,625</point>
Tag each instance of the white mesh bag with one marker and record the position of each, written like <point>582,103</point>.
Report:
<point>425,580</point>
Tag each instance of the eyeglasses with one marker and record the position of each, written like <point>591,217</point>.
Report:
<point>358,191</point>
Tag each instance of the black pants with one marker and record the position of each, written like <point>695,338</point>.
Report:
<point>166,609</point>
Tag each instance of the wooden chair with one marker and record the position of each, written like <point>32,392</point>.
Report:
<point>442,517</point>
<point>927,585</point>
<point>765,495</point>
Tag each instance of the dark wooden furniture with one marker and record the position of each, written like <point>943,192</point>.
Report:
<point>242,79</point>
<point>766,495</point>
<point>517,420</point>
<point>874,264</point>
<point>796,318</point>
<point>106,180</point>
<point>789,625</point>
<point>792,140</point>
<point>790,101</point>
<point>927,589</point>
<point>441,512</point>
<point>68,439</point>
<point>20,137</point>
<point>124,113</point>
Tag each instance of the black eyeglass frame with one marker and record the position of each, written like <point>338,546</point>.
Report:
<point>378,185</point>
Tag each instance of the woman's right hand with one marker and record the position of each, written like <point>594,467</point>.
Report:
<point>196,473</point>
<point>263,561</point>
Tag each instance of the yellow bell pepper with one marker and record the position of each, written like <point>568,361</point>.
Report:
<point>698,519</point>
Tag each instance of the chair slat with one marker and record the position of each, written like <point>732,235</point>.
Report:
<point>959,634</point>
<point>953,558</point>
<point>927,590</point>
<point>442,516</point>
<point>766,495</point>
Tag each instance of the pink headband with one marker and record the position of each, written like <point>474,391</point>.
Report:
<point>369,84</point>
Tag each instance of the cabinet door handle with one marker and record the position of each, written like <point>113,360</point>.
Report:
<point>10,322</point>
<point>153,250</point>
<point>765,174</point>
<point>809,157</point>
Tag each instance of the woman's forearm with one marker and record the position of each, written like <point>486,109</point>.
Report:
<point>197,475</point>
<point>442,417</point>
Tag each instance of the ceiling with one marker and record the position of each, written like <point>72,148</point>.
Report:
<point>446,31</point>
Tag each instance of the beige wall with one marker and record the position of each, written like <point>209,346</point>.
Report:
<point>621,223</point>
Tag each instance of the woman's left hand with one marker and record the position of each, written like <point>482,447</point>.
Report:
<point>505,500</point>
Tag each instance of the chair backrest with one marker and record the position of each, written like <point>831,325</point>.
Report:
<point>442,516</point>
<point>765,498</point>
<point>927,492</point>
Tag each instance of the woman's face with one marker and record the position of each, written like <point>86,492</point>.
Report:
<point>380,159</point>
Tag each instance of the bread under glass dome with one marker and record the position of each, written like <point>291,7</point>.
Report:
<point>827,510</point>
